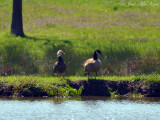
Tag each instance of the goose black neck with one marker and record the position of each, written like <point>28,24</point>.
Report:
<point>95,56</point>
<point>60,59</point>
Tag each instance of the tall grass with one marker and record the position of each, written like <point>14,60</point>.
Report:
<point>127,32</point>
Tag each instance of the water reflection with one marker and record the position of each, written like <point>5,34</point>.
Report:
<point>87,98</point>
<point>88,108</point>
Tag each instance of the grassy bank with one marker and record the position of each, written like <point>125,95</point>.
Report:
<point>36,86</point>
<point>126,32</point>
<point>76,86</point>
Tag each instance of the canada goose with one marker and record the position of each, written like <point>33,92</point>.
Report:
<point>93,64</point>
<point>60,65</point>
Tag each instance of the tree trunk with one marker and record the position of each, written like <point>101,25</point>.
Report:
<point>17,23</point>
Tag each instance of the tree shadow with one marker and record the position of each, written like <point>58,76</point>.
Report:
<point>48,40</point>
<point>35,38</point>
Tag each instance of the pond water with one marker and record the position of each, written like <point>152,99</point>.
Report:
<point>85,108</point>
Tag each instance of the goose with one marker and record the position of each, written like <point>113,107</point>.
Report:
<point>60,66</point>
<point>93,64</point>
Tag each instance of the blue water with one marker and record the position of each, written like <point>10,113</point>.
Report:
<point>79,109</point>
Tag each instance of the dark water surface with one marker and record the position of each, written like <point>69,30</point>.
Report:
<point>85,108</point>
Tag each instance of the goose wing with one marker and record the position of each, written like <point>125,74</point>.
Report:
<point>92,65</point>
<point>55,67</point>
<point>55,64</point>
<point>59,67</point>
<point>90,60</point>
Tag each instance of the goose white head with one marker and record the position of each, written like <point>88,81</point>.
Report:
<point>59,53</point>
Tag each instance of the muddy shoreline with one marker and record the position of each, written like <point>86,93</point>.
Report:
<point>108,88</point>
<point>91,87</point>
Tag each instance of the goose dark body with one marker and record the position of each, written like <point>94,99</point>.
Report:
<point>60,66</point>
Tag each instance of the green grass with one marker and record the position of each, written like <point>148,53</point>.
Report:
<point>47,81</point>
<point>126,32</point>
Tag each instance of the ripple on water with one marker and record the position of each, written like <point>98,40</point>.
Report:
<point>77,109</point>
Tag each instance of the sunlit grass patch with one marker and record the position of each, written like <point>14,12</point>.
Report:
<point>127,32</point>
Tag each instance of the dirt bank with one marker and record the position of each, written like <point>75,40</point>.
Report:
<point>106,88</point>
<point>91,87</point>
